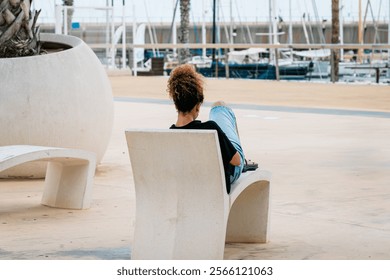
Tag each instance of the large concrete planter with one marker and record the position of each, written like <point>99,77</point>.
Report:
<point>61,99</point>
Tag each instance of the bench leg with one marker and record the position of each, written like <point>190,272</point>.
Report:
<point>68,186</point>
<point>249,215</point>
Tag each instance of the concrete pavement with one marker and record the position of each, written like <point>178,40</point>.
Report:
<point>330,167</point>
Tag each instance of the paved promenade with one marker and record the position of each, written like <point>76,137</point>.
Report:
<point>326,145</point>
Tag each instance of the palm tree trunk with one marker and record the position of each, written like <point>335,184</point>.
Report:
<point>335,40</point>
<point>184,37</point>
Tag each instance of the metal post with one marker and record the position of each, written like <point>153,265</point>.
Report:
<point>107,31</point>
<point>277,65</point>
<point>332,72</point>
<point>124,35</point>
<point>58,26</point>
<point>113,47</point>
<point>65,20</point>
<point>226,65</point>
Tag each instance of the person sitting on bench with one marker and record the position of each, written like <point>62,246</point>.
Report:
<point>185,88</point>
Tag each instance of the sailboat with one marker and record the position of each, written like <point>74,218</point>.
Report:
<point>254,63</point>
<point>362,66</point>
<point>253,69</point>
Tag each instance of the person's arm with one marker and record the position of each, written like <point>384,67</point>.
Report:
<point>236,160</point>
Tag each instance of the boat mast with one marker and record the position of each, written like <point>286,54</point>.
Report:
<point>214,27</point>
<point>275,26</point>
<point>270,22</point>
<point>150,28</point>
<point>275,52</point>
<point>173,32</point>
<point>273,34</point>
<point>231,24</point>
<point>134,41</point>
<point>320,33</point>
<point>123,34</point>
<point>290,32</point>
<point>303,20</point>
<point>360,32</point>
<point>225,25</point>
<point>341,29</point>
<point>203,28</point>
<point>376,36</point>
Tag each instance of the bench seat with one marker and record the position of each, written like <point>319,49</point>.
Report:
<point>182,208</point>
<point>69,174</point>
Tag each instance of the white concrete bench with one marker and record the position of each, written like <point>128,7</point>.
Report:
<point>182,208</point>
<point>69,174</point>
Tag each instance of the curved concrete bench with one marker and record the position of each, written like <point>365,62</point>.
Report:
<point>69,174</point>
<point>182,208</point>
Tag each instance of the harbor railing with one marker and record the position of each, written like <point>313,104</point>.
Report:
<point>274,47</point>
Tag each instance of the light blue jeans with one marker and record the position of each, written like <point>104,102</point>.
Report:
<point>226,119</point>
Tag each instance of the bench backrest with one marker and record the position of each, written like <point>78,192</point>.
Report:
<point>180,173</point>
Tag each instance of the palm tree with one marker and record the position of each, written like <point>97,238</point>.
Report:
<point>184,36</point>
<point>19,35</point>
<point>335,40</point>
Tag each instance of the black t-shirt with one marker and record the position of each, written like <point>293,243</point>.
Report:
<point>227,148</point>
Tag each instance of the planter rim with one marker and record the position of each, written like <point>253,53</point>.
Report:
<point>67,40</point>
<point>70,40</point>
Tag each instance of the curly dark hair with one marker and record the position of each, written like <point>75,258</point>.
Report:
<point>185,87</point>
